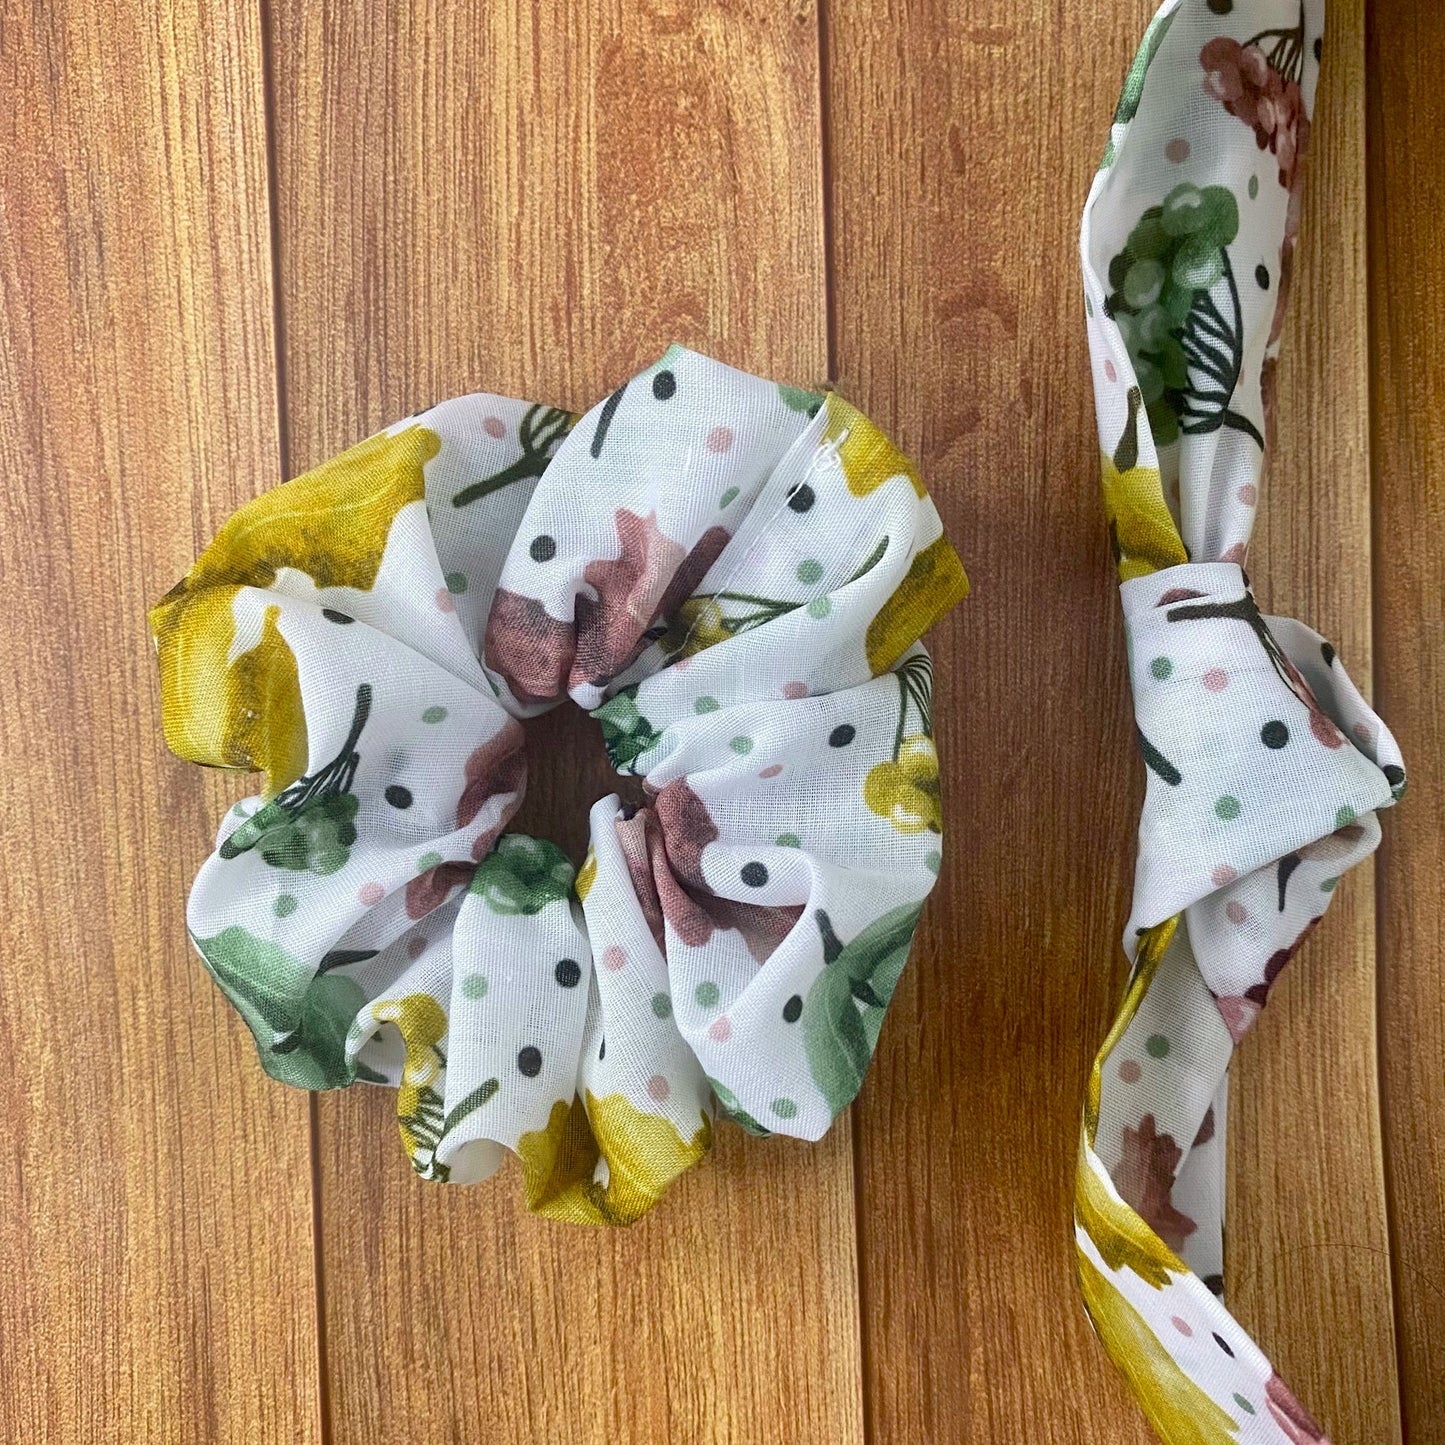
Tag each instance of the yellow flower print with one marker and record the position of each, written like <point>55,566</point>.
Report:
<point>586,876</point>
<point>867,457</point>
<point>1141,527</point>
<point>422,1023</point>
<point>644,1154</point>
<point>905,790</point>
<point>697,625</point>
<point>1177,1408</point>
<point>935,583</point>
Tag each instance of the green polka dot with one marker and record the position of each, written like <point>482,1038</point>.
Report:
<point>1345,817</point>
<point>1243,1403</point>
<point>474,986</point>
<point>662,1005</point>
<point>240,811</point>
<point>789,840</point>
<point>284,906</point>
<point>1227,808</point>
<point>707,995</point>
<point>427,862</point>
<point>456,582</point>
<point>1158,1046</point>
<point>705,704</point>
<point>934,861</point>
<point>785,1108</point>
<point>1254,188</point>
<point>741,746</point>
<point>820,607</point>
<point>809,572</point>
<point>728,497</point>
<point>1161,667</point>
<point>1329,885</point>
<point>434,715</point>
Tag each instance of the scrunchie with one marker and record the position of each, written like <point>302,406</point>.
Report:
<point>1265,766</point>
<point>733,577</point>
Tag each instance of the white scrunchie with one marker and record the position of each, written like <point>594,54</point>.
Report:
<point>733,576</point>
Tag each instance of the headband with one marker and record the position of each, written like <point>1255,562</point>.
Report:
<point>1265,765</point>
<point>732,577</point>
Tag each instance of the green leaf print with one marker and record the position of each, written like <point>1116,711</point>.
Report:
<point>299,1022</point>
<point>311,826</point>
<point>796,398</point>
<point>626,734</point>
<point>729,1108</point>
<point>1186,341</point>
<point>844,1009</point>
<point>522,875</point>
<point>1133,90</point>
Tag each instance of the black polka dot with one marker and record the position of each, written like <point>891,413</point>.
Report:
<point>1221,7</point>
<point>801,498</point>
<point>1328,653</point>
<point>1214,1283</point>
<point>332,615</point>
<point>755,875</point>
<point>1394,775</point>
<point>793,1009</point>
<point>842,735</point>
<point>529,1062</point>
<point>398,796</point>
<point>1261,274</point>
<point>568,972</point>
<point>1223,1345</point>
<point>1274,735</point>
<point>1319,46</point>
<point>543,548</point>
<point>664,386</point>
<point>602,1052</point>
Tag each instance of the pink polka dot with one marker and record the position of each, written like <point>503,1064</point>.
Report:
<point>1110,371</point>
<point>1223,876</point>
<point>444,601</point>
<point>1129,1071</point>
<point>1235,911</point>
<point>1177,151</point>
<point>720,439</point>
<point>1215,680</point>
<point>613,958</point>
<point>795,690</point>
<point>495,427</point>
<point>658,1088</point>
<point>1248,494</point>
<point>1182,1326</point>
<point>416,948</point>
<point>721,1030</point>
<point>371,893</point>
<point>771,771</point>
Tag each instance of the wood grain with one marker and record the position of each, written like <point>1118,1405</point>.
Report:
<point>155,1204</point>
<point>536,200</point>
<point>963,140</point>
<point>1307,1240</point>
<point>1407,292</point>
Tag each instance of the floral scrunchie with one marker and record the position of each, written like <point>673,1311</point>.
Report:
<point>1265,765</point>
<point>733,577</point>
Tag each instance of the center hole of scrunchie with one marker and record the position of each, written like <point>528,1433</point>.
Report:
<point>567,771</point>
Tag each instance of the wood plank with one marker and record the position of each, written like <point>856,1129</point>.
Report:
<point>1407,291</point>
<point>960,326</point>
<point>963,142</point>
<point>535,200</point>
<point>155,1207</point>
<point>1307,1239</point>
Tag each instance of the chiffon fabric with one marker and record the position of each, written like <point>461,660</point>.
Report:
<point>732,576</point>
<point>1266,767</point>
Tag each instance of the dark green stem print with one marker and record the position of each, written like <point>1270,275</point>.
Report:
<point>540,433</point>
<point>844,1009</point>
<point>312,824</point>
<point>428,1125</point>
<point>1177,304</point>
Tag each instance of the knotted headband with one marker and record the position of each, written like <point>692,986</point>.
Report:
<point>1265,765</point>
<point>732,576</point>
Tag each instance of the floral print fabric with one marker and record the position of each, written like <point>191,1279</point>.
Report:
<point>733,577</point>
<point>1266,767</point>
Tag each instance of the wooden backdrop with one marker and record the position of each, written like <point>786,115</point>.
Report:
<point>237,235</point>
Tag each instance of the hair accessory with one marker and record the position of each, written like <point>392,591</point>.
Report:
<point>732,576</point>
<point>1266,767</point>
